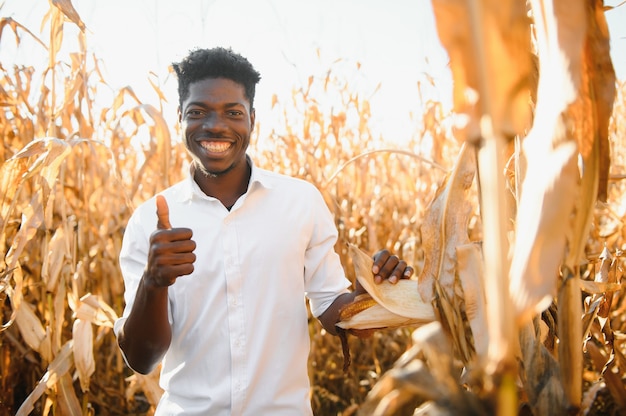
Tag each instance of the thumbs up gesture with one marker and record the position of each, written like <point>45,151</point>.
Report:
<point>171,250</point>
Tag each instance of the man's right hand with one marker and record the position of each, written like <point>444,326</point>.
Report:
<point>171,250</point>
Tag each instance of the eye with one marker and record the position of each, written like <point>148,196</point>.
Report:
<point>194,113</point>
<point>235,113</point>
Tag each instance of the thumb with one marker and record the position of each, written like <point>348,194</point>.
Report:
<point>163,213</point>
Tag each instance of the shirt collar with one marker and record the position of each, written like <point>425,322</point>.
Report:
<point>258,177</point>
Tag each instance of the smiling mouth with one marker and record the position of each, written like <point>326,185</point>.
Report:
<point>215,147</point>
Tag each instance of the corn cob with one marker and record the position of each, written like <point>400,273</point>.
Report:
<point>385,305</point>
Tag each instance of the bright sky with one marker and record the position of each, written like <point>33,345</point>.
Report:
<point>394,41</point>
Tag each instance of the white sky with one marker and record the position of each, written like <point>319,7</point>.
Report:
<point>394,41</point>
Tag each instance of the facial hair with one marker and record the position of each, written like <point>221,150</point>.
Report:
<point>214,174</point>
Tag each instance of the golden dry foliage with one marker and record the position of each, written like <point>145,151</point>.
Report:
<point>540,279</point>
<point>69,178</point>
<point>74,167</point>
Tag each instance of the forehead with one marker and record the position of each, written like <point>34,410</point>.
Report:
<point>216,91</point>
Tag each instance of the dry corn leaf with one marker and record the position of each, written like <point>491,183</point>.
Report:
<point>425,373</point>
<point>589,116</point>
<point>541,375</point>
<point>58,255</point>
<point>50,153</point>
<point>7,21</point>
<point>435,345</point>
<point>604,276</point>
<point>32,218</point>
<point>400,386</point>
<point>153,79</point>
<point>33,332</point>
<point>93,309</point>
<point>470,271</point>
<point>57,368</point>
<point>444,227</point>
<point>70,12</point>
<point>605,280</point>
<point>56,19</point>
<point>148,384</point>
<point>410,376</point>
<point>601,80</point>
<point>82,334</point>
<point>598,288</point>
<point>13,293</point>
<point>488,43</point>
<point>542,224</point>
<point>613,380</point>
<point>67,401</point>
<point>550,186</point>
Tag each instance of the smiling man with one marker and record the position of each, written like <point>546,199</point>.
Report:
<point>217,267</point>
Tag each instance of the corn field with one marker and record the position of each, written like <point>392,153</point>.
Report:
<point>511,206</point>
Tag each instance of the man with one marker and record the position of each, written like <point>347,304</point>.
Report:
<point>217,267</point>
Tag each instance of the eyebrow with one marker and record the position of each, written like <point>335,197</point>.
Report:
<point>226,105</point>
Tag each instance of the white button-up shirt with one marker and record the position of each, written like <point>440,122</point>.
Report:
<point>240,339</point>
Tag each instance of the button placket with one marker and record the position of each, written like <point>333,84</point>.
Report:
<point>236,316</point>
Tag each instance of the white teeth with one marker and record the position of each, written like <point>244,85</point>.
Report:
<point>215,147</point>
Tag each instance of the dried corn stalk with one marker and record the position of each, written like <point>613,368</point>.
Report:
<point>61,364</point>
<point>555,207</point>
<point>424,380</point>
<point>551,181</point>
<point>488,44</point>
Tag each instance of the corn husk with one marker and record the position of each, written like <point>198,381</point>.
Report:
<point>367,313</point>
<point>387,305</point>
<point>82,334</point>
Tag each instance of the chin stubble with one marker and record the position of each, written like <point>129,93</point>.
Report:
<point>214,174</point>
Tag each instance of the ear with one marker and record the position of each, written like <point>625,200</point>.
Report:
<point>180,115</point>
<point>252,118</point>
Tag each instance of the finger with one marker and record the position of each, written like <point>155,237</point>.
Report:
<point>391,270</point>
<point>398,272</point>
<point>167,275</point>
<point>170,258</point>
<point>380,257</point>
<point>408,272</point>
<point>163,213</point>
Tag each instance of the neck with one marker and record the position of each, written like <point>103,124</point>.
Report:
<point>227,187</point>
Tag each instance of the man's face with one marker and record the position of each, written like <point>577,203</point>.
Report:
<point>217,121</point>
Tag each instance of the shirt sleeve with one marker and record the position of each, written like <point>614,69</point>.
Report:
<point>132,260</point>
<point>324,275</point>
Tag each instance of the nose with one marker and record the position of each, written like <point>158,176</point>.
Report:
<point>213,122</point>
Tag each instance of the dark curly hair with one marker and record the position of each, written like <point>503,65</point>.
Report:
<point>217,62</point>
